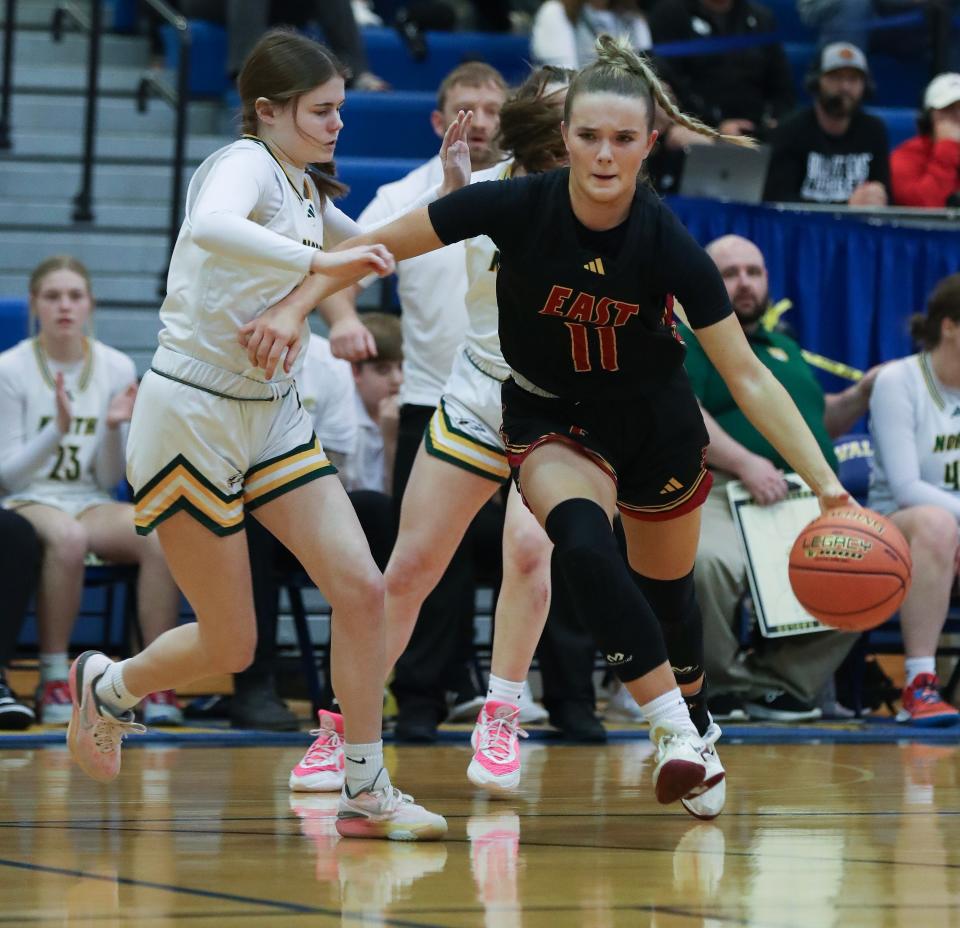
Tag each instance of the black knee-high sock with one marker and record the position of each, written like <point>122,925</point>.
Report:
<point>675,604</point>
<point>605,597</point>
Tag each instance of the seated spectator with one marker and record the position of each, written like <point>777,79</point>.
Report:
<point>565,31</point>
<point>916,482</point>
<point>741,93</point>
<point>925,170</point>
<point>370,463</point>
<point>65,401</point>
<point>783,677</point>
<point>19,572</point>
<point>832,152</point>
<point>848,21</point>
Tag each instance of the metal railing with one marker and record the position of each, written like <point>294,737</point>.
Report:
<point>92,24</point>
<point>153,85</point>
<point>6,93</point>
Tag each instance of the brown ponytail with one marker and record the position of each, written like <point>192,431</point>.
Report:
<point>620,70</point>
<point>530,122</point>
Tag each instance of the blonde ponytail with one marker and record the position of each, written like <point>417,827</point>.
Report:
<point>619,69</point>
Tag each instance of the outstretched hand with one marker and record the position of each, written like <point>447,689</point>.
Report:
<point>455,153</point>
<point>353,263</point>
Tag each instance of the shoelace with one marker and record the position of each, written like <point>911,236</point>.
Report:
<point>321,751</point>
<point>108,733</point>
<point>391,798</point>
<point>496,736</point>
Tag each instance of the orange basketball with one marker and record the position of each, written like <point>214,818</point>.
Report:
<point>850,568</point>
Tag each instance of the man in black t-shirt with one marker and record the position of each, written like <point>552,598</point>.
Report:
<point>740,92</point>
<point>832,152</point>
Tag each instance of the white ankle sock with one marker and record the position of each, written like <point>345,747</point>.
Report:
<point>914,666</point>
<point>54,666</point>
<point>670,708</point>
<point>363,763</point>
<point>504,690</point>
<point>113,692</point>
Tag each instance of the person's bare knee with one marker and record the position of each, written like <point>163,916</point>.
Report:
<point>934,536</point>
<point>67,544</point>
<point>409,570</point>
<point>359,593</point>
<point>528,549</point>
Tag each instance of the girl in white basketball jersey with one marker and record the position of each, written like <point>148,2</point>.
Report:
<point>214,435</point>
<point>65,401</point>
<point>915,423</point>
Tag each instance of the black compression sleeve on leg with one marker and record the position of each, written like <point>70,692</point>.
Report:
<point>598,581</point>
<point>674,602</point>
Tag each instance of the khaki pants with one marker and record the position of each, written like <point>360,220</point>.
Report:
<point>800,664</point>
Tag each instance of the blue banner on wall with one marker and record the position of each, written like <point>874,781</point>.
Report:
<point>853,281</point>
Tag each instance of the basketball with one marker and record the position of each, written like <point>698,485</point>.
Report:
<point>850,569</point>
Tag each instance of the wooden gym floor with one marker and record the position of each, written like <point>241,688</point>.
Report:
<point>818,835</point>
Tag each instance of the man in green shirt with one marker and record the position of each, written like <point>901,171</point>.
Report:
<point>781,679</point>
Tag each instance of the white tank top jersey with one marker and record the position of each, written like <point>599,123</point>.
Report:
<point>66,465</point>
<point>482,338</point>
<point>915,424</point>
<point>225,270</point>
<point>432,288</point>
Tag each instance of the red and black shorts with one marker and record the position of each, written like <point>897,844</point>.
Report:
<point>652,445</point>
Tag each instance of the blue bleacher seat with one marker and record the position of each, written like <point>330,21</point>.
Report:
<point>789,24</point>
<point>365,175</point>
<point>208,57</point>
<point>14,321</point>
<point>388,125</point>
<point>901,122</point>
<point>799,57</point>
<point>390,59</point>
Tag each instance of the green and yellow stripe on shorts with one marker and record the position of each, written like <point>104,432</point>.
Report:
<point>448,443</point>
<point>180,487</point>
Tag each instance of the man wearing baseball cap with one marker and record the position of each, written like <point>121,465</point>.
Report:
<point>832,152</point>
<point>925,170</point>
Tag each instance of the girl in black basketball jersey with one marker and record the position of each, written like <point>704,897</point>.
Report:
<point>599,414</point>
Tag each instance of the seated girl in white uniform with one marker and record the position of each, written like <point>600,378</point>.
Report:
<point>65,401</point>
<point>915,423</point>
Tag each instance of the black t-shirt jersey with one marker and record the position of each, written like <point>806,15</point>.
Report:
<point>585,313</point>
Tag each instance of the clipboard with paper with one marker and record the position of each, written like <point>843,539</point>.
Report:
<point>767,534</point>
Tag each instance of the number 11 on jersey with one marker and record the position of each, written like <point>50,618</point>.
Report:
<point>580,346</point>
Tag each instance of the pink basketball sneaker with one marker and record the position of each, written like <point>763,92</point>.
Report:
<point>496,743</point>
<point>94,735</point>
<point>322,768</point>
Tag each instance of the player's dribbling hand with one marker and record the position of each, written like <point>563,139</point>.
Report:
<point>266,338</point>
<point>351,340</point>
<point>64,410</point>
<point>455,154</point>
<point>353,263</point>
<point>836,497</point>
<point>121,406</point>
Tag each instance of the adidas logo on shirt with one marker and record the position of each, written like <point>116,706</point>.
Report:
<point>596,265</point>
<point>671,486</point>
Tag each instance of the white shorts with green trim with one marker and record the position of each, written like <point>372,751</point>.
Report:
<point>213,456</point>
<point>465,429</point>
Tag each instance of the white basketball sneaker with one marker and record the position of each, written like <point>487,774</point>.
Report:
<point>706,800</point>
<point>680,766</point>
<point>382,811</point>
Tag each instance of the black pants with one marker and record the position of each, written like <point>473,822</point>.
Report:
<point>268,558</point>
<point>20,555</point>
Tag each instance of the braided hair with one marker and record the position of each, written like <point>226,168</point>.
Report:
<point>618,69</point>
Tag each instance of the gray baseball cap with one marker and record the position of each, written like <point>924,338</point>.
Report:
<point>842,55</point>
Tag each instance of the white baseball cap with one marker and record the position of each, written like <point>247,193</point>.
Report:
<point>842,55</point>
<point>942,91</point>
